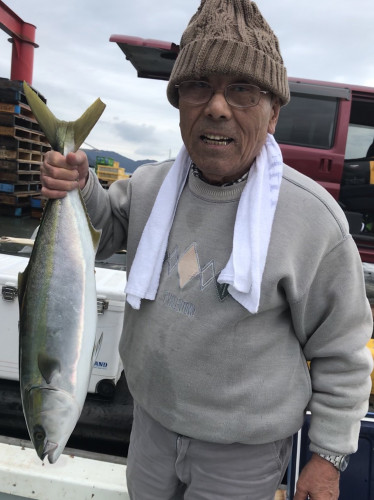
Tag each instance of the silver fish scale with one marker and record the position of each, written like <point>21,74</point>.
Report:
<point>57,342</point>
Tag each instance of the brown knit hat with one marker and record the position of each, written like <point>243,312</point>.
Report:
<point>230,37</point>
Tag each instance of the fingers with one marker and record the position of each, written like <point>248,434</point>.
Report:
<point>60,174</point>
<point>80,160</point>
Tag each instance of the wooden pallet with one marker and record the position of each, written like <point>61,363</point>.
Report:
<point>15,211</point>
<point>20,176</point>
<point>14,120</point>
<point>11,91</point>
<point>36,213</point>
<point>17,109</point>
<point>12,96</point>
<point>23,133</point>
<point>20,199</point>
<point>21,187</point>
<point>24,145</point>
<point>16,165</point>
<point>24,155</point>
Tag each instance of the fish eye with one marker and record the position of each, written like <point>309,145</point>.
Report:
<point>39,434</point>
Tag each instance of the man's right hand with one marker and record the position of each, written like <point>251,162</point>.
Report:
<point>60,174</point>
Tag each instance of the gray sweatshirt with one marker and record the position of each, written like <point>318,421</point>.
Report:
<point>201,364</point>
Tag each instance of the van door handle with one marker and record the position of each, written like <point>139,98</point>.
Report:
<point>325,165</point>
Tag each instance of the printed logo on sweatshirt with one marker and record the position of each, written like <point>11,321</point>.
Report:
<point>188,268</point>
<point>178,305</point>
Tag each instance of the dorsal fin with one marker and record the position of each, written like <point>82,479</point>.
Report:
<point>95,233</point>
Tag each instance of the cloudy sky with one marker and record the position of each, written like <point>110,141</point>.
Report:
<point>331,40</point>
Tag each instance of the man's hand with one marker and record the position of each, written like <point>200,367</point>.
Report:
<point>60,174</point>
<point>319,479</point>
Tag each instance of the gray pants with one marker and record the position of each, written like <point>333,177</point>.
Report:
<point>163,465</point>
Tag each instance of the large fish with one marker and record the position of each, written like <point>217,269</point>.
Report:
<point>57,301</point>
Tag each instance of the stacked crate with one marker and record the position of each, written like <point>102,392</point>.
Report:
<point>108,171</point>
<point>22,146</point>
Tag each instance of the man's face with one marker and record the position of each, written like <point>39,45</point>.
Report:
<point>222,140</point>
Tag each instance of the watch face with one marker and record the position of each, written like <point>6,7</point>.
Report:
<point>344,463</point>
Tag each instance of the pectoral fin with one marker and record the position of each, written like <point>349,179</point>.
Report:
<point>48,366</point>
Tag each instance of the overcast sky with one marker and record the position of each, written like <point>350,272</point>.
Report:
<point>75,63</point>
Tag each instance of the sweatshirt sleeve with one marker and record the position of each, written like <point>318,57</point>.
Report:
<point>108,211</point>
<point>333,322</point>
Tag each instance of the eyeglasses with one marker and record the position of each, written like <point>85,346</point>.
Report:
<point>239,95</point>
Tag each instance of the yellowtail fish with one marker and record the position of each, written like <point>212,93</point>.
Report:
<point>57,301</point>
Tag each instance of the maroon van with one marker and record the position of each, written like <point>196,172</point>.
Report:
<point>325,132</point>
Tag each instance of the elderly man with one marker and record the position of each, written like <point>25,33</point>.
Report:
<point>238,272</point>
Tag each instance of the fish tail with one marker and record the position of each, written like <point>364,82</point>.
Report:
<point>59,132</point>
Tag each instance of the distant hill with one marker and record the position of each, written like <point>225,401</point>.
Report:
<point>129,165</point>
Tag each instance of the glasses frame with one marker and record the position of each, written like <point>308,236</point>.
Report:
<point>177,86</point>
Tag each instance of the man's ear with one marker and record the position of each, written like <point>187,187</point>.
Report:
<point>274,114</point>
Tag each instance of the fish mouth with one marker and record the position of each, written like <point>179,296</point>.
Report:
<point>51,416</point>
<point>43,446</point>
<point>48,451</point>
<point>216,140</point>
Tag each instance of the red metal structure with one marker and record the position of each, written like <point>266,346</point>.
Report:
<point>23,40</point>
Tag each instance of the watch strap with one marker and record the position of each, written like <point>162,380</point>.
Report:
<point>340,462</point>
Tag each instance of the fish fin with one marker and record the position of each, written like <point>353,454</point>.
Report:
<point>48,366</point>
<point>84,124</point>
<point>96,349</point>
<point>22,280</point>
<point>63,136</point>
<point>46,119</point>
<point>95,233</point>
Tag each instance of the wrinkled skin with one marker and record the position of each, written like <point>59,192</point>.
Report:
<point>245,131</point>
<point>319,479</point>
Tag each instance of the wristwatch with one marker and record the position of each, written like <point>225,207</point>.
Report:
<point>340,462</point>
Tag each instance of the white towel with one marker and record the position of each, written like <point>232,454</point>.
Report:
<point>253,224</point>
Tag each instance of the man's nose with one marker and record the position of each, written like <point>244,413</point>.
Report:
<point>217,107</point>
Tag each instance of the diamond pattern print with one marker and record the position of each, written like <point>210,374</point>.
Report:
<point>188,266</point>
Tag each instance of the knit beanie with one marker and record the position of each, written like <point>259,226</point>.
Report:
<point>230,37</point>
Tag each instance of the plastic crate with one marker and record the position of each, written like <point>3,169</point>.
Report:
<point>36,202</point>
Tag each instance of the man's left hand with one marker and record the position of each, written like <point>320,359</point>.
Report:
<point>319,479</point>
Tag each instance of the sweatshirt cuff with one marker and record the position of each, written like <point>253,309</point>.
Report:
<point>89,187</point>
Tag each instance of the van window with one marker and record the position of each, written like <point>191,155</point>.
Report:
<point>361,128</point>
<point>308,121</point>
<point>359,140</point>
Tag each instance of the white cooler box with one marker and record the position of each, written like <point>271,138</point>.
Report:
<point>110,285</point>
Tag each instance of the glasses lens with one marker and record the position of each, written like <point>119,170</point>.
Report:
<point>195,92</point>
<point>243,95</point>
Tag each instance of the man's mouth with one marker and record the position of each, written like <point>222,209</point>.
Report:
<point>217,140</point>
